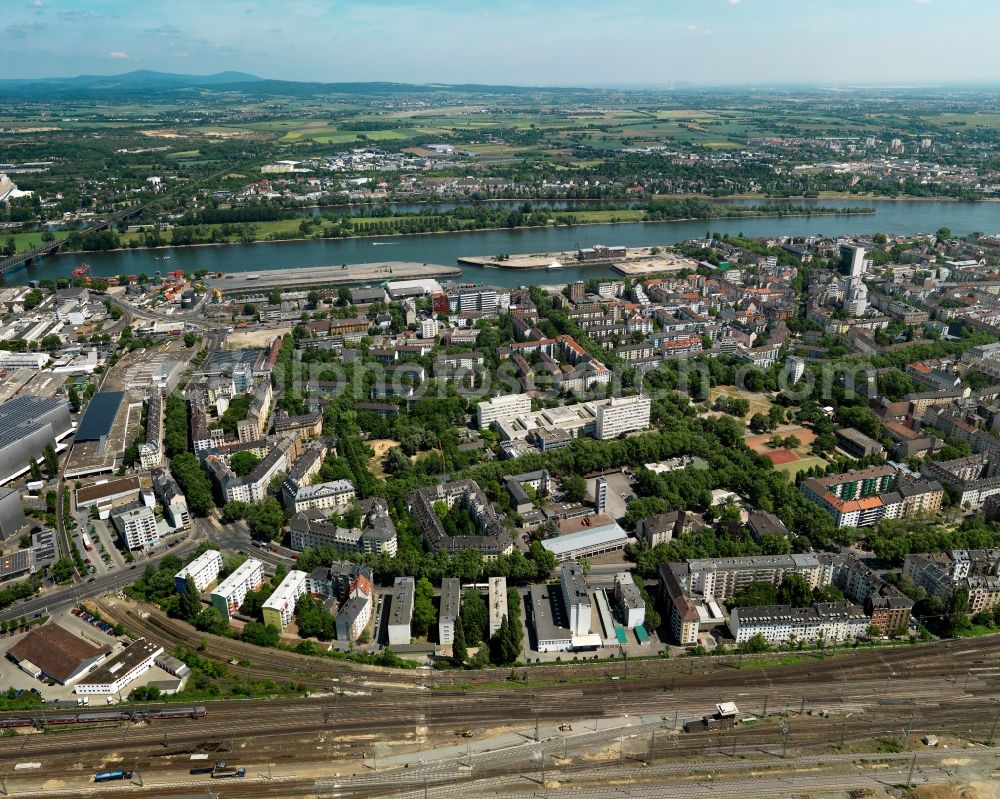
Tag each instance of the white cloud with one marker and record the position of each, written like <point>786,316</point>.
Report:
<point>117,54</point>
<point>923,2</point>
<point>37,3</point>
<point>19,30</point>
<point>734,2</point>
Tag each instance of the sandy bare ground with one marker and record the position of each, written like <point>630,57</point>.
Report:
<point>380,446</point>
<point>241,339</point>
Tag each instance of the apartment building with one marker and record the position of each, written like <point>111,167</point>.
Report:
<point>253,487</point>
<point>151,449</point>
<point>494,539</point>
<point>576,598</point>
<point>833,622</point>
<point>172,499</point>
<point>502,408</point>
<point>203,571</point>
<point>353,617</point>
<point>136,524</point>
<point>401,611</point>
<point>335,495</point>
<point>336,580</point>
<point>230,593</point>
<point>941,574</point>
<point>861,498</point>
<point>622,415</point>
<point>376,534</point>
<point>631,605</point>
<point>974,478</point>
<point>721,578</point>
<point>451,602</point>
<point>683,618</point>
<point>889,608</point>
<point>279,608</point>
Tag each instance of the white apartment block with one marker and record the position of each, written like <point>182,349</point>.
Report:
<point>203,571</point>
<point>576,599</point>
<point>137,525</point>
<point>503,408</point>
<point>832,622</point>
<point>335,494</point>
<point>230,593</point>
<point>622,415</point>
<point>401,611</point>
<point>428,328</point>
<point>280,606</point>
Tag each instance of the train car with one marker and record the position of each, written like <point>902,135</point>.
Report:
<point>111,776</point>
<point>18,721</point>
<point>177,712</point>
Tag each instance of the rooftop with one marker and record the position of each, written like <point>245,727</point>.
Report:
<point>129,658</point>
<point>56,651</point>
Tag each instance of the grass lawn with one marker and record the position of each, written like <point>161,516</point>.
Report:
<point>793,468</point>
<point>25,241</point>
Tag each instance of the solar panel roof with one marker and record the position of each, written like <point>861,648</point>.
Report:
<point>99,416</point>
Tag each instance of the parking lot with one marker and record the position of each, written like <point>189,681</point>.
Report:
<point>620,492</point>
<point>15,678</point>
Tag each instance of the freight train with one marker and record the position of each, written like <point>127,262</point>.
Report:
<point>41,721</point>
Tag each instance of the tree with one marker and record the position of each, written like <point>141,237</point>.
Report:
<point>266,519</point>
<point>190,602</point>
<point>943,233</point>
<point>62,570</point>
<point>795,591</point>
<point>51,342</point>
<point>475,617</point>
<point>313,298</point>
<point>51,461</point>
<point>244,462</point>
<point>423,607</point>
<point>190,339</point>
<point>36,470</point>
<point>261,634</point>
<point>575,487</point>
<point>194,483</point>
<point>459,652</point>
<point>754,645</point>
<point>757,593</point>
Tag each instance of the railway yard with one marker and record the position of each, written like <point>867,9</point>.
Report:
<point>853,720</point>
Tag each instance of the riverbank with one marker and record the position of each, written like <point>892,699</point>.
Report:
<point>902,218</point>
<point>405,234</point>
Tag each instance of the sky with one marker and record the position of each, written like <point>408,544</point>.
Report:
<point>521,42</point>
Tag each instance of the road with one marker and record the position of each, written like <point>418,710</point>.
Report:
<point>64,598</point>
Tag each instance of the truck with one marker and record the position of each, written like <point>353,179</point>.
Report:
<point>86,542</point>
<point>222,773</point>
<point>207,769</point>
<point>111,776</point>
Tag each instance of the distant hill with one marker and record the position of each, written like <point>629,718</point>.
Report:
<point>149,82</point>
<point>140,80</point>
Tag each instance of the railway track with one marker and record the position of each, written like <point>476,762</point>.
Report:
<point>933,659</point>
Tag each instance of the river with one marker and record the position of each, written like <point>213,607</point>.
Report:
<point>895,216</point>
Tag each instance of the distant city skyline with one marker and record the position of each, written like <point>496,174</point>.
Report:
<point>559,43</point>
